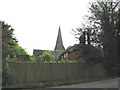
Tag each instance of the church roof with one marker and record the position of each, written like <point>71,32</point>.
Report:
<point>37,52</point>
<point>59,42</point>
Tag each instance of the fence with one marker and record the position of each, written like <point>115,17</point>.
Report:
<point>43,72</point>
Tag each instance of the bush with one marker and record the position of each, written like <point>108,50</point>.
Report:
<point>62,61</point>
<point>47,57</point>
<point>10,59</point>
<point>32,59</point>
<point>6,73</point>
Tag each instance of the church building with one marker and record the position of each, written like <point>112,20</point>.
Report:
<point>59,47</point>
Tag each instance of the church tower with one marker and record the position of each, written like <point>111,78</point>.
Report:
<point>59,42</point>
<point>59,48</point>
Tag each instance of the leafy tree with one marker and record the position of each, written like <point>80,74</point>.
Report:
<point>103,28</point>
<point>118,34</point>
<point>18,50</point>
<point>10,49</point>
<point>46,57</point>
<point>32,59</point>
<point>10,44</point>
<point>14,51</point>
<point>8,40</point>
<point>104,15</point>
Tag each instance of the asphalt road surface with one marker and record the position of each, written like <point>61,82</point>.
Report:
<point>110,83</point>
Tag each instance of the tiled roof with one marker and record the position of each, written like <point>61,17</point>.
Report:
<point>37,52</point>
<point>88,50</point>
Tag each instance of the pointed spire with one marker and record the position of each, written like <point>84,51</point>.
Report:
<point>59,42</point>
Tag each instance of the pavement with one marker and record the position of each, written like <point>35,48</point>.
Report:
<point>110,83</point>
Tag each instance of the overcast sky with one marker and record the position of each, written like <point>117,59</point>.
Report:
<point>36,22</point>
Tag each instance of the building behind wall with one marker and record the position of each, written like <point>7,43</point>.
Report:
<point>82,53</point>
<point>59,47</point>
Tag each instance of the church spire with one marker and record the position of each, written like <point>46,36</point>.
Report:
<point>59,42</point>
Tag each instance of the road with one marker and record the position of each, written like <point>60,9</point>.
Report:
<point>111,83</point>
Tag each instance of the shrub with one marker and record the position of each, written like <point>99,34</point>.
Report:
<point>6,71</point>
<point>46,57</point>
<point>62,61</point>
<point>32,59</point>
<point>10,59</point>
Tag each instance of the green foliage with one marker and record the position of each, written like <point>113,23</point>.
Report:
<point>8,39</point>
<point>6,71</point>
<point>10,44</point>
<point>9,59</point>
<point>46,57</point>
<point>104,15</point>
<point>32,59</point>
<point>62,61</point>
<point>103,23</point>
<point>18,50</point>
<point>10,49</point>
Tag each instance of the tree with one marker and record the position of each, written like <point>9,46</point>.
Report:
<point>82,38</point>
<point>118,34</point>
<point>10,49</point>
<point>104,14</point>
<point>18,50</point>
<point>46,57</point>
<point>32,59</point>
<point>10,44</point>
<point>103,28</point>
<point>8,40</point>
<point>88,34</point>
